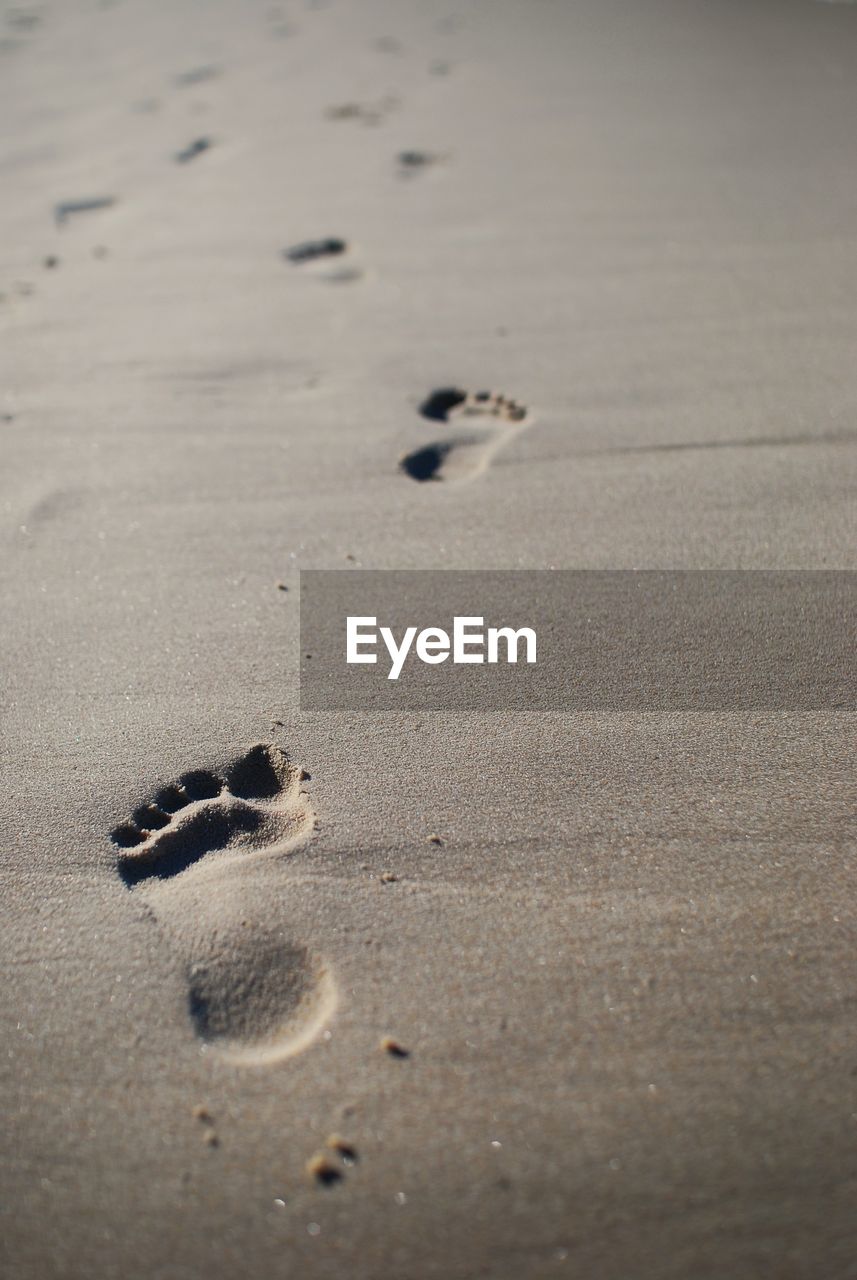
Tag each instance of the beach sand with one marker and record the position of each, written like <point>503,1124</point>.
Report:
<point>448,995</point>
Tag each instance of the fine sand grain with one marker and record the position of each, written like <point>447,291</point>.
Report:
<point>416,284</point>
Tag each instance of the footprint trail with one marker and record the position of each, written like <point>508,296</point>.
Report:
<point>205,853</point>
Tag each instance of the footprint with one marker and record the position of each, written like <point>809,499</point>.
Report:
<point>318,251</point>
<point>310,250</point>
<point>205,854</point>
<point>412,162</point>
<point>22,19</point>
<point>368,113</point>
<point>493,419</point>
<point>66,209</point>
<point>192,150</point>
<point>196,75</point>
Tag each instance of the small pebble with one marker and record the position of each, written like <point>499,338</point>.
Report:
<point>395,1050</point>
<point>320,1168</point>
<point>343,1147</point>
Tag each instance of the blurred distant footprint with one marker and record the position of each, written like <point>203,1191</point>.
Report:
<point>317,252</point>
<point>205,854</point>
<point>492,420</point>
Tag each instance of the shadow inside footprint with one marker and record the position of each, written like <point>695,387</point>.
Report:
<point>440,404</point>
<point>253,993</point>
<point>204,831</point>
<point>425,463</point>
<point>223,1009</point>
<point>310,250</point>
<point>260,775</point>
<point>192,150</point>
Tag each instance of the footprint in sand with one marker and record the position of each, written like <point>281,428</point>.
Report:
<point>205,854</point>
<point>410,163</point>
<point>319,252</point>
<point>492,421</point>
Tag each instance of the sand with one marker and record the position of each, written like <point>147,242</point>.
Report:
<point>615,951</point>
